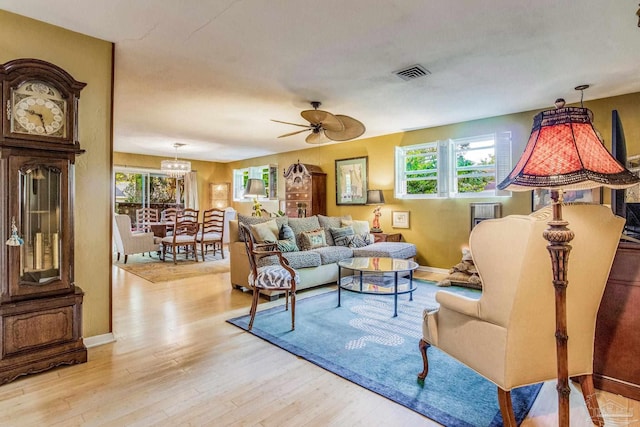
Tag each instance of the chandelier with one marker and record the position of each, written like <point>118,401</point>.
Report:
<point>176,168</point>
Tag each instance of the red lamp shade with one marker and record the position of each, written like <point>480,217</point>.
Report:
<point>564,152</point>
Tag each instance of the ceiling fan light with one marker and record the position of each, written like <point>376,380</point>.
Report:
<point>318,137</point>
<point>324,118</point>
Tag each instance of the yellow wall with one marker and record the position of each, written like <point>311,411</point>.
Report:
<point>439,227</point>
<point>88,60</point>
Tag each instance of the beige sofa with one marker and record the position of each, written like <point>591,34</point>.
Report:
<point>316,266</point>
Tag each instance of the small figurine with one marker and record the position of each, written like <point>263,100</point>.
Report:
<point>375,227</point>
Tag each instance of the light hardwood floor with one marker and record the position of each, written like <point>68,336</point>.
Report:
<point>177,362</point>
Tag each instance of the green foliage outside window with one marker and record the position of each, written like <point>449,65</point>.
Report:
<point>472,177</point>
<point>161,189</point>
<point>422,171</point>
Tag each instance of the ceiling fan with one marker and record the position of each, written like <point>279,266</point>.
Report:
<point>325,126</point>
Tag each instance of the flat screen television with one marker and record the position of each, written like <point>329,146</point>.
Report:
<point>619,151</point>
<point>619,204</point>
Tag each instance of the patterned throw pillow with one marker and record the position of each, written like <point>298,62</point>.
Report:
<point>287,241</point>
<point>358,241</point>
<point>329,222</point>
<point>313,239</point>
<point>342,235</point>
<point>287,245</point>
<point>286,232</point>
<point>300,225</point>
<point>265,232</point>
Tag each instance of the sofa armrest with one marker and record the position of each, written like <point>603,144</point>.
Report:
<point>233,231</point>
<point>458,303</point>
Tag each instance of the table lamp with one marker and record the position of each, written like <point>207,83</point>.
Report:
<point>255,187</point>
<point>375,197</point>
<point>564,153</point>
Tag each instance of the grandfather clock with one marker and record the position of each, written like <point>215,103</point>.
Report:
<point>40,306</point>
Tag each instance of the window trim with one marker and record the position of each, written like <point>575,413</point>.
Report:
<point>447,174</point>
<point>271,181</point>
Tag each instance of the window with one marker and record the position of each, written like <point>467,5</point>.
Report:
<point>139,188</point>
<point>268,173</point>
<point>465,167</point>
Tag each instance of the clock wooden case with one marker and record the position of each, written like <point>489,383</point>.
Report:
<point>40,305</point>
<point>305,190</point>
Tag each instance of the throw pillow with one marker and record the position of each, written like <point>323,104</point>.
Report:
<point>249,220</point>
<point>287,241</point>
<point>265,231</point>
<point>286,232</point>
<point>287,245</point>
<point>300,225</point>
<point>359,227</point>
<point>329,222</point>
<point>313,239</point>
<point>357,241</point>
<point>342,235</point>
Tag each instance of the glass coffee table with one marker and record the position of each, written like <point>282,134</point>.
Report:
<point>379,276</point>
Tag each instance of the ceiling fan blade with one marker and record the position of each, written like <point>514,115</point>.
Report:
<point>352,129</point>
<point>317,138</point>
<point>288,123</point>
<point>328,120</point>
<point>293,133</point>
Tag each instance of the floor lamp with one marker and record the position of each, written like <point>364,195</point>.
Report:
<point>564,153</point>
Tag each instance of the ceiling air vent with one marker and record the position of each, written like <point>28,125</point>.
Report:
<point>412,72</point>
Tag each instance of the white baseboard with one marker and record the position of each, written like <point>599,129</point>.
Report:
<point>97,340</point>
<point>433,270</point>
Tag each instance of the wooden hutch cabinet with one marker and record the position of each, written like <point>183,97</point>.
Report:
<point>305,191</point>
<point>40,306</point>
<point>617,343</point>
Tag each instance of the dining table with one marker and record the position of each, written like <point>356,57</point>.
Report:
<point>160,228</point>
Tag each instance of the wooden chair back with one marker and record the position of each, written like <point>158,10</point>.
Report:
<point>145,216</point>
<point>212,231</point>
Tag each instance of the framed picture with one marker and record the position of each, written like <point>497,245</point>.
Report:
<point>351,181</point>
<point>542,197</point>
<point>400,219</point>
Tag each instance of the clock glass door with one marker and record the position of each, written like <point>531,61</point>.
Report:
<point>40,218</point>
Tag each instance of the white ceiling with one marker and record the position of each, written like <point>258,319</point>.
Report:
<point>211,74</point>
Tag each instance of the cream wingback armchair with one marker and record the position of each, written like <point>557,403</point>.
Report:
<point>508,334</point>
<point>128,242</point>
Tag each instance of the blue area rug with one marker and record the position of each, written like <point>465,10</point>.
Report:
<point>361,342</point>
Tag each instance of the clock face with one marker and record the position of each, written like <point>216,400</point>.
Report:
<point>38,109</point>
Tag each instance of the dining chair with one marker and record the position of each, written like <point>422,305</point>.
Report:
<point>277,276</point>
<point>168,216</point>
<point>212,231</point>
<point>145,216</point>
<point>184,234</point>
